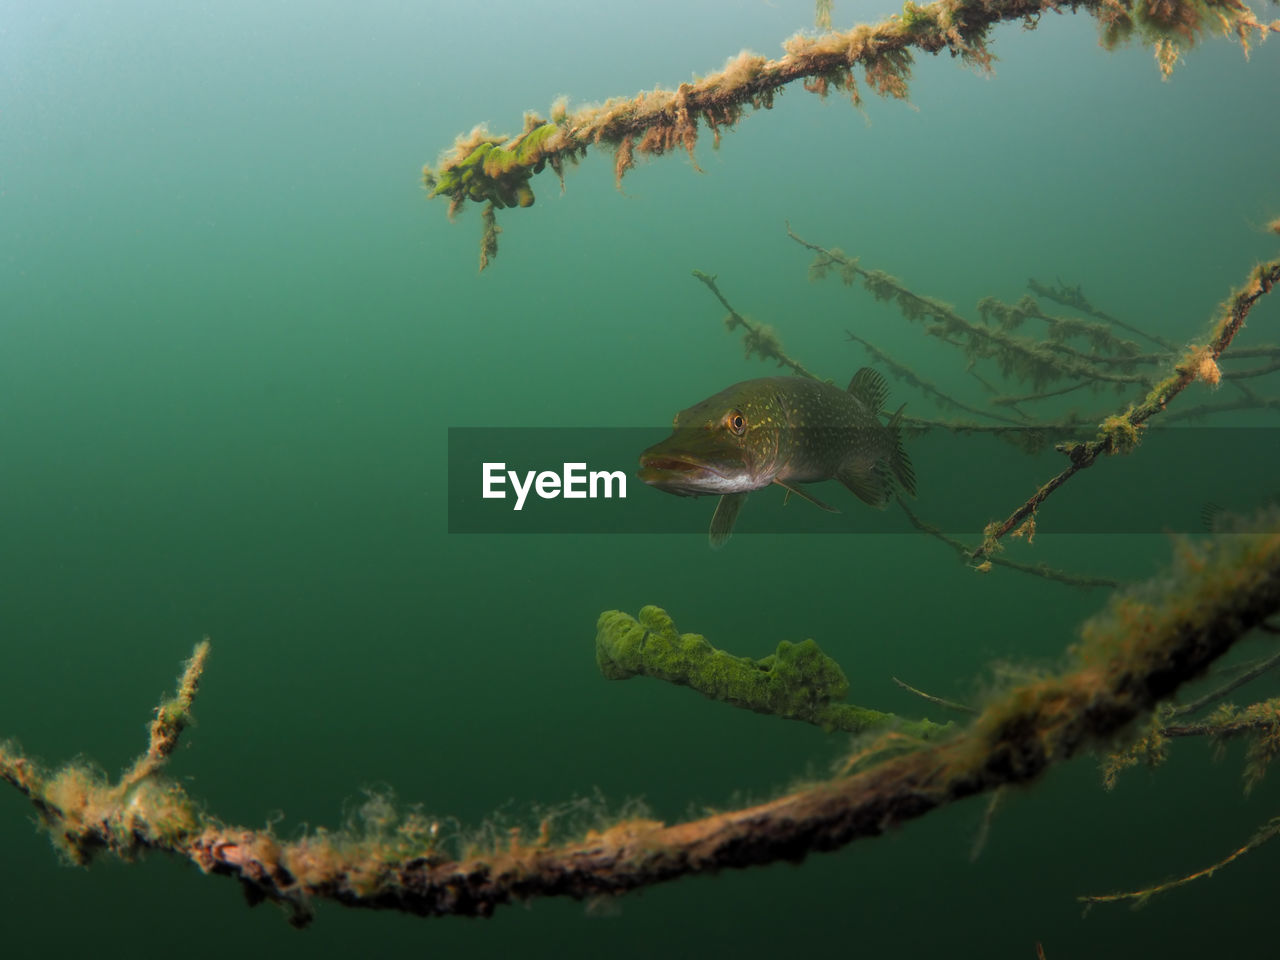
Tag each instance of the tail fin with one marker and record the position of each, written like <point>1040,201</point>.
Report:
<point>899,462</point>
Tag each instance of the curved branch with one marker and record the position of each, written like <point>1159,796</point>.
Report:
<point>1036,569</point>
<point>496,170</point>
<point>1139,897</point>
<point>1136,654</point>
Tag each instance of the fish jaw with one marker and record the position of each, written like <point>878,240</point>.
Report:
<point>686,475</point>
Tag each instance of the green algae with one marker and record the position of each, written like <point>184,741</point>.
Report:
<point>797,681</point>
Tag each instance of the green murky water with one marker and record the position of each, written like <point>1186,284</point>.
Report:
<point>233,336</point>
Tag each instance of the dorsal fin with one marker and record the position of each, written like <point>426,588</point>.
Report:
<point>869,387</point>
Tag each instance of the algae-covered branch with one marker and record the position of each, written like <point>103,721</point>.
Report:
<point>496,171</point>
<point>1129,658</point>
<point>797,682</point>
<point>1109,361</point>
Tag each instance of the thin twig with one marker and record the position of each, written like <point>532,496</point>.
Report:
<point>984,828</point>
<point>1221,692</point>
<point>1037,569</point>
<point>1045,395</point>
<point>909,376</point>
<point>1268,832</point>
<point>759,339</point>
<point>939,701</point>
<point>1074,298</point>
<point>1226,406</point>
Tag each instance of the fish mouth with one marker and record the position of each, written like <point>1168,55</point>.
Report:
<point>664,464</point>
<point>683,476</point>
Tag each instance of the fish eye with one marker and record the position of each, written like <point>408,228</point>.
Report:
<point>736,422</point>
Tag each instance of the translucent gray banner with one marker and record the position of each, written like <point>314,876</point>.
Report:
<point>585,480</point>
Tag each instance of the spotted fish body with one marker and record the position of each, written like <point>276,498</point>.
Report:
<point>784,431</point>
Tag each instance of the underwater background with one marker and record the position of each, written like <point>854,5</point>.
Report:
<point>234,336</point>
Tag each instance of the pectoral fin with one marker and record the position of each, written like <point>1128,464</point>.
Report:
<point>723,519</point>
<point>792,488</point>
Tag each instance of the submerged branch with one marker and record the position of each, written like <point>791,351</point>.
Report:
<point>1139,897</point>
<point>1006,401</point>
<point>901,371</point>
<point>1121,432</point>
<point>1128,659</point>
<point>1258,724</point>
<point>1039,362</point>
<point>1074,298</point>
<point>1036,569</point>
<point>496,170</point>
<point>1220,693</point>
<point>940,701</point>
<point>1248,402</point>
<point>798,682</point>
<point>1229,721</point>
<point>757,338</point>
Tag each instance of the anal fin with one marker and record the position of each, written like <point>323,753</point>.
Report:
<point>869,485</point>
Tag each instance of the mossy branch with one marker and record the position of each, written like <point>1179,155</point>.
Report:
<point>84,812</point>
<point>172,717</point>
<point>1038,362</point>
<point>1259,723</point>
<point>758,339</point>
<point>1121,432</point>
<point>1073,297</point>
<point>901,371</point>
<point>1128,659</point>
<point>763,340</point>
<point>797,682</point>
<point>496,170</point>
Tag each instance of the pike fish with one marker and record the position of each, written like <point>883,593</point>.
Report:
<point>785,431</point>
